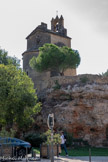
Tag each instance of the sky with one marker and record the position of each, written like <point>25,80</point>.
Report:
<point>86,22</point>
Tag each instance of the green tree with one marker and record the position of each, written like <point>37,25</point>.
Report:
<point>54,58</point>
<point>18,101</point>
<point>8,60</point>
<point>71,59</point>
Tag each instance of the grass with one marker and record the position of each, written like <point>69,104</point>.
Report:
<point>83,151</point>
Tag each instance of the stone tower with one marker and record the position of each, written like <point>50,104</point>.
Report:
<point>37,38</point>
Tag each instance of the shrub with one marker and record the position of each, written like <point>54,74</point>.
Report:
<point>57,85</point>
<point>84,79</point>
<point>56,138</point>
<point>35,139</point>
<point>74,142</point>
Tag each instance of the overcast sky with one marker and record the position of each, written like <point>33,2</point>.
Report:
<point>86,22</point>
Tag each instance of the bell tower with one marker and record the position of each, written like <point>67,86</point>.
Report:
<point>57,25</point>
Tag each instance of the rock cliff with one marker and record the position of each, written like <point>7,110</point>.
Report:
<point>80,106</point>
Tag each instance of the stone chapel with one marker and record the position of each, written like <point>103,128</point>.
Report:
<point>38,37</point>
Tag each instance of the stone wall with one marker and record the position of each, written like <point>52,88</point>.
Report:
<point>75,79</point>
<point>80,107</point>
<point>39,79</point>
<point>38,40</point>
<point>57,38</point>
<point>70,72</point>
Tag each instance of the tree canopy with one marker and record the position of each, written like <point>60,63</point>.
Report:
<point>8,60</point>
<point>18,101</point>
<point>54,58</point>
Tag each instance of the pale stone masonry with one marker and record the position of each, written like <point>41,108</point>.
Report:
<point>37,38</point>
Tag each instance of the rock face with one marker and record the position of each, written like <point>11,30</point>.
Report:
<point>80,107</point>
